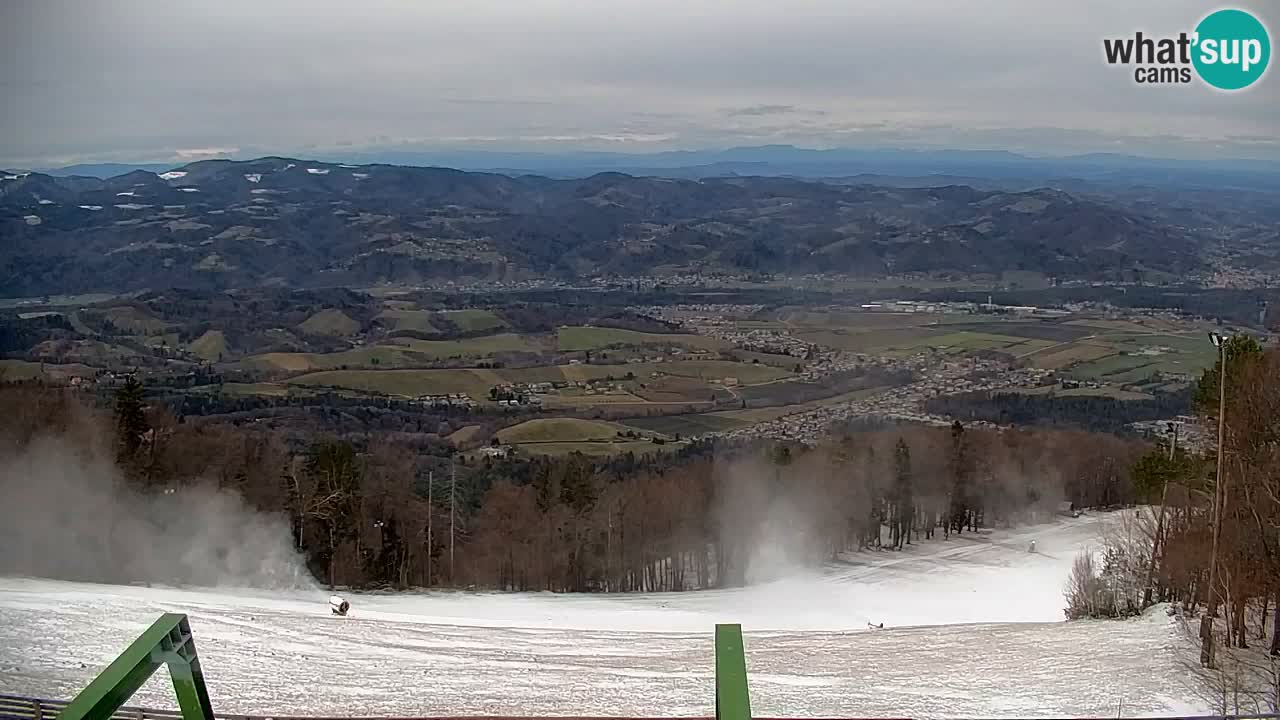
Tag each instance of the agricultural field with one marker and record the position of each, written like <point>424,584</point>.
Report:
<point>474,320</point>
<point>1135,358</point>
<point>600,449</point>
<point>408,319</point>
<point>476,382</point>
<point>870,340</point>
<point>1060,356</point>
<point>401,353</point>
<point>128,319</point>
<point>471,347</point>
<point>405,383</point>
<point>11,370</point>
<point>967,340</point>
<point>571,339</point>
<point>554,436</point>
<point>331,322</point>
<point>211,346</point>
<point>387,356</point>
<point>686,425</point>
<point>560,430</point>
<point>464,435</point>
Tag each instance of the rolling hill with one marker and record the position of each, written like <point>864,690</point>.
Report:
<point>278,221</point>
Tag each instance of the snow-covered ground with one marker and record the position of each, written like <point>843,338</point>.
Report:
<point>972,628</point>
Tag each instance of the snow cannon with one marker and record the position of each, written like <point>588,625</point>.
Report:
<point>338,606</point>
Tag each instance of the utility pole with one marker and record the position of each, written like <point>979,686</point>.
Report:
<point>1219,493</point>
<point>453,484</point>
<point>431,511</point>
<point>1164,496</point>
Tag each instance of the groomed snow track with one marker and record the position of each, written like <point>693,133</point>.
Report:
<point>972,628</point>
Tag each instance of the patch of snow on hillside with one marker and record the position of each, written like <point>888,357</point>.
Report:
<point>32,219</point>
<point>132,206</point>
<point>189,189</point>
<point>318,171</point>
<point>95,208</point>
<point>127,193</point>
<point>253,177</point>
<point>43,201</point>
<point>360,176</point>
<point>173,175</point>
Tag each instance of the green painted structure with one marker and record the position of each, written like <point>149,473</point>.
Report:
<point>733,702</point>
<point>167,642</point>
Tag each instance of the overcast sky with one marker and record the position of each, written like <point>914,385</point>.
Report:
<point>167,80</point>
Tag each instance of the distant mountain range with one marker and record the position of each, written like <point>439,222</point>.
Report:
<point>289,222</point>
<point>988,168</point>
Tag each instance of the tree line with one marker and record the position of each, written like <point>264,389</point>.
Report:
<point>382,510</point>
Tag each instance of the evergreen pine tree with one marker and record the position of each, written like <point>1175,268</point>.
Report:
<point>131,418</point>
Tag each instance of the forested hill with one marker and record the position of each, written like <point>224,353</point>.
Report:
<point>280,221</point>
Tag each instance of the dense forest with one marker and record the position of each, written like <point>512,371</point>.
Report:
<point>1104,414</point>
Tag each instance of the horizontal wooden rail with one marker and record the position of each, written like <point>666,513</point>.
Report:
<point>17,707</point>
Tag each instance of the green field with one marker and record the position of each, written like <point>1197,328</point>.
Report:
<point>685,425</point>
<point>558,436</point>
<point>415,320</point>
<point>474,320</point>
<point>386,356</point>
<point>12,370</point>
<point>211,346</point>
<point>402,353</point>
<point>476,382</point>
<point>129,319</point>
<point>405,383</point>
<point>1104,368</point>
<point>560,430</point>
<point>866,341</point>
<point>470,347</point>
<point>571,339</point>
<point>330,322</point>
<point>969,340</point>
<point>601,448</point>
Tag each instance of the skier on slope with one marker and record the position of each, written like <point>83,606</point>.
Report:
<point>1033,547</point>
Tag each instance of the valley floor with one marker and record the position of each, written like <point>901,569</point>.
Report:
<point>972,628</point>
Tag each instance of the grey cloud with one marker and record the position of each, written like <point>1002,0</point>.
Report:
<point>760,110</point>
<point>141,79</point>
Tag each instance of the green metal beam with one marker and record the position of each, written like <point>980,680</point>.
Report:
<point>733,701</point>
<point>167,642</point>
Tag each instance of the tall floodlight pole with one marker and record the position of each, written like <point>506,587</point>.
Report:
<point>453,514</point>
<point>431,510</point>
<point>1206,621</point>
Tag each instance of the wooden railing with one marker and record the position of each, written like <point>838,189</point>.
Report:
<point>16,707</point>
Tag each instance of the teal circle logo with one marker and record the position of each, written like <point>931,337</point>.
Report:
<point>1232,49</point>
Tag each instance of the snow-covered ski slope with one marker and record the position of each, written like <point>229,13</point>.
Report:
<point>972,628</point>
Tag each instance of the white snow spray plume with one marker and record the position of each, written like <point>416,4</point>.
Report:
<point>769,531</point>
<point>66,514</point>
